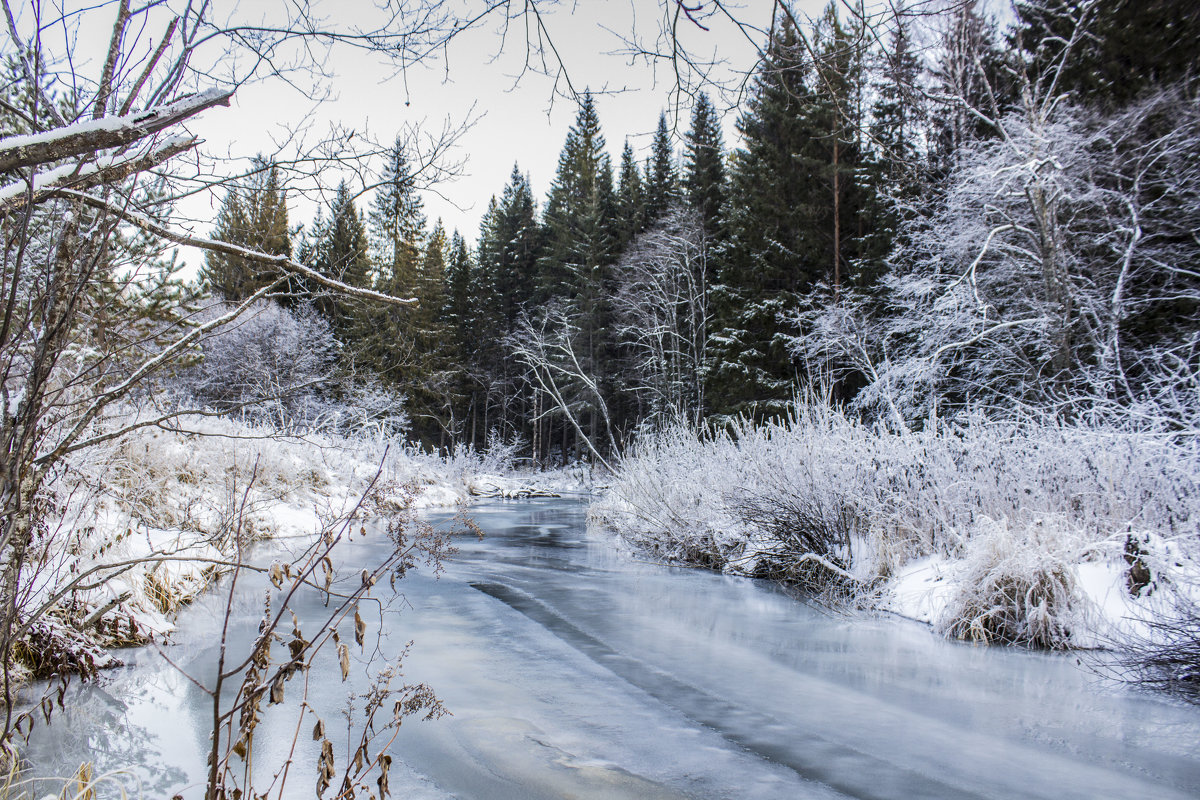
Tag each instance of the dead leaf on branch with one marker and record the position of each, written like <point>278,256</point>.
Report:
<point>325,767</point>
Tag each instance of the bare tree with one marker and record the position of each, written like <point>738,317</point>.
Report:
<point>661,305</point>
<point>549,344</point>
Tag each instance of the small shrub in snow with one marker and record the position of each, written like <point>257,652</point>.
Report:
<point>1167,656</point>
<point>808,538</point>
<point>1015,588</point>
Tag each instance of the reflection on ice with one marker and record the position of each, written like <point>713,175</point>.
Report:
<point>573,672</point>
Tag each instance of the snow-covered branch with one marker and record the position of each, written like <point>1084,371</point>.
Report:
<point>92,136</point>
<point>283,263</point>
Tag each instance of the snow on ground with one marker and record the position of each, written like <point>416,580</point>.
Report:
<point>1020,533</point>
<point>158,514</point>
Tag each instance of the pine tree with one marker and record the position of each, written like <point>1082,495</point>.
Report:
<point>631,200</point>
<point>338,248</point>
<point>896,170</point>
<point>662,183</point>
<point>704,165</point>
<point>581,245</point>
<point>255,218</point>
<point>580,226</point>
<point>770,254</point>
<point>397,225</point>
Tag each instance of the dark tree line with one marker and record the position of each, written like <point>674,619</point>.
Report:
<point>697,284</point>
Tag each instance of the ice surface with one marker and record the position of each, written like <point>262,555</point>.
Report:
<point>574,671</point>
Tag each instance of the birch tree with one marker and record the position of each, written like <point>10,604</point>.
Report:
<point>661,307</point>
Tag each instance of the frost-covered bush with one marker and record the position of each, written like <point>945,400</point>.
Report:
<point>1017,506</point>
<point>272,362</point>
<point>1167,656</point>
<point>279,367</point>
<point>1016,587</point>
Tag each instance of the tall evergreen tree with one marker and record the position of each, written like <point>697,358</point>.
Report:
<point>517,246</point>
<point>462,334</point>
<point>580,226</point>
<point>662,182</point>
<point>838,118</point>
<point>424,357</point>
<point>704,164</point>
<point>456,306</point>
<point>896,170</point>
<point>256,218</point>
<point>770,254</point>
<point>581,245</point>
<point>397,225</point>
<point>631,198</point>
<point>338,248</point>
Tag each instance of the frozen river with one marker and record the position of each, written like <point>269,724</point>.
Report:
<point>574,671</point>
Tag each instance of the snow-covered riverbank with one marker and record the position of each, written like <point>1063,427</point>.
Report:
<point>143,525</point>
<point>1039,535</point>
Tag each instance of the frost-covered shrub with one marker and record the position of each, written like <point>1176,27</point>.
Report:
<point>663,500</point>
<point>271,363</point>
<point>1015,588</point>
<point>773,499</point>
<point>807,534</point>
<point>1167,656</point>
<point>279,367</point>
<point>365,408</point>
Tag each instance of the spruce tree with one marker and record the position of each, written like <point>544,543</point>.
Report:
<point>770,254</point>
<point>837,117</point>
<point>581,245</point>
<point>631,200</point>
<point>581,234</point>
<point>662,183</point>
<point>254,217</point>
<point>397,225</point>
<point>896,168</point>
<point>339,250</point>
<point>423,361</point>
<point>704,164</point>
<point>518,246</point>
<point>231,276</point>
<point>462,334</point>
<point>457,308</point>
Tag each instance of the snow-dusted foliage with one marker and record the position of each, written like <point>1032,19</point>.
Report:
<point>1055,271</point>
<point>270,360</point>
<point>999,515</point>
<point>279,367</point>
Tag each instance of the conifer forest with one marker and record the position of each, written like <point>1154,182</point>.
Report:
<point>947,216</point>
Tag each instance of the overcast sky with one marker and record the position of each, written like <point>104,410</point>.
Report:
<point>516,117</point>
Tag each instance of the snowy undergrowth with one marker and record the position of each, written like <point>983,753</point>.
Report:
<point>997,532</point>
<point>141,525</point>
